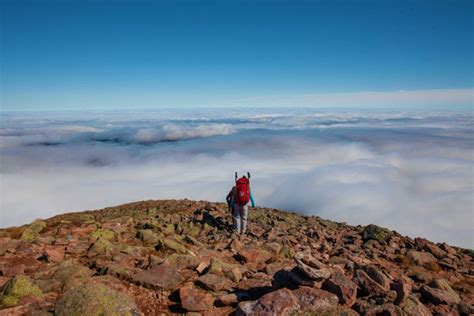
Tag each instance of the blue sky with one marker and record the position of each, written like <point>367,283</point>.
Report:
<point>119,54</point>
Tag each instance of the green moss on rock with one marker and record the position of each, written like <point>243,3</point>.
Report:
<point>33,230</point>
<point>287,252</point>
<point>169,244</point>
<point>380,234</point>
<point>95,300</point>
<point>101,246</point>
<point>103,233</point>
<point>147,236</point>
<point>18,287</point>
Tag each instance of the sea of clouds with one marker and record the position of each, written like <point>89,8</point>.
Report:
<point>409,171</point>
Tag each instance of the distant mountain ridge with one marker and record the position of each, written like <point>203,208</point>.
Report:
<point>180,257</point>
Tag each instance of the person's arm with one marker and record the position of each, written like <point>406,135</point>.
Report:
<point>229,198</point>
<point>251,199</point>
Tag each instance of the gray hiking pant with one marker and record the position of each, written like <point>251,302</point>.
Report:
<point>239,218</point>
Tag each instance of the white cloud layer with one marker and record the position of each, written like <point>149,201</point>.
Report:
<point>412,172</point>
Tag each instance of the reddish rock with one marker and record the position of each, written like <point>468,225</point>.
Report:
<point>311,298</point>
<point>446,310</point>
<point>368,285</point>
<point>313,273</point>
<point>161,277</point>
<point>450,250</point>
<point>54,254</point>
<point>421,258</point>
<point>11,264</point>
<point>255,281</point>
<point>235,245</point>
<point>440,292</point>
<point>201,267</point>
<point>402,286</point>
<point>430,247</point>
<point>273,247</point>
<point>77,232</point>
<point>253,255</point>
<point>281,302</point>
<point>228,299</point>
<point>378,276</point>
<point>213,282</point>
<point>343,287</point>
<point>309,260</point>
<point>412,306</point>
<point>386,310</point>
<point>195,300</point>
<point>13,270</point>
<point>3,281</point>
<point>235,274</point>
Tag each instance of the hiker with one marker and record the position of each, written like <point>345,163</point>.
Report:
<point>237,199</point>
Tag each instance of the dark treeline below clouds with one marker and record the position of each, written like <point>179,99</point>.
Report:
<point>409,171</point>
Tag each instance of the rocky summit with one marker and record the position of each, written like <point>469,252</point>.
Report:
<point>180,257</point>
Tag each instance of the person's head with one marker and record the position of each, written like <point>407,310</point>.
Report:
<point>244,177</point>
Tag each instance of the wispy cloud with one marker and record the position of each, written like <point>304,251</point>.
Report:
<point>433,97</point>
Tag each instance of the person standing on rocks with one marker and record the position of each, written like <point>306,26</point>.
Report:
<point>238,199</point>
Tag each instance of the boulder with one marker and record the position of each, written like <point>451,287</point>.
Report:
<point>448,249</point>
<point>421,258</point>
<point>33,230</point>
<point>17,288</point>
<point>103,233</point>
<point>253,255</point>
<point>147,236</point>
<point>202,266</point>
<point>332,311</point>
<point>368,285</point>
<point>440,292</point>
<point>435,250</point>
<point>170,245</point>
<point>195,300</point>
<point>95,299</point>
<point>378,276</point>
<point>229,270</point>
<point>287,252</point>
<point>101,246</point>
<point>227,299</point>
<point>374,232</point>
<point>273,247</point>
<point>310,298</point>
<point>413,307</point>
<point>343,287</point>
<point>402,286</point>
<point>385,309</point>
<point>426,245</point>
<point>54,254</point>
<point>309,260</point>
<point>281,302</point>
<point>313,273</point>
<point>161,277</point>
<point>64,277</point>
<point>213,282</point>
<point>180,261</point>
<point>13,269</point>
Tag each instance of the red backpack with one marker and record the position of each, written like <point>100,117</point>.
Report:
<point>242,191</point>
